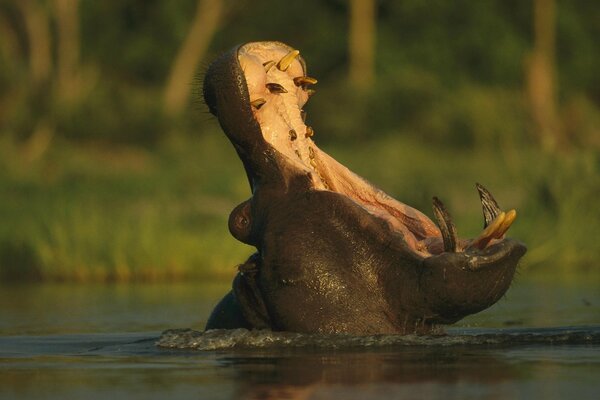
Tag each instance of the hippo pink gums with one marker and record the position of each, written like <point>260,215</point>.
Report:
<point>334,253</point>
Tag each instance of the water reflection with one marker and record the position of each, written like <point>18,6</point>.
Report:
<point>410,371</point>
<point>67,341</point>
<point>131,366</point>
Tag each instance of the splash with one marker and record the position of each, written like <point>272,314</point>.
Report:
<point>221,339</point>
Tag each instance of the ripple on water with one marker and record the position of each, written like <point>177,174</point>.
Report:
<point>242,338</point>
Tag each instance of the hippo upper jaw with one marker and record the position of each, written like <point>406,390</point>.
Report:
<point>226,92</point>
<point>335,253</point>
<point>259,107</point>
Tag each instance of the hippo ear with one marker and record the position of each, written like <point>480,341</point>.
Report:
<point>249,297</point>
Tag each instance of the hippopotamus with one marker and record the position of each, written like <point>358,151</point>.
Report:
<point>335,254</point>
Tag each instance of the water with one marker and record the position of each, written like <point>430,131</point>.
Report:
<point>69,341</point>
<point>188,339</point>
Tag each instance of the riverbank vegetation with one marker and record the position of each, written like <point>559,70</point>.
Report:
<point>112,170</point>
<point>92,213</point>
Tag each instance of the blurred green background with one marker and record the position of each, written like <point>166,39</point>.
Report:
<point>111,169</point>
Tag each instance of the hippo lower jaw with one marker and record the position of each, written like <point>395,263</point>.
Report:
<point>336,254</point>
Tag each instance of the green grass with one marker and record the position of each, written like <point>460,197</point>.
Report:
<point>94,213</point>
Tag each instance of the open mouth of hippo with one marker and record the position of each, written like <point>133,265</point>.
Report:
<point>277,88</point>
<point>258,91</point>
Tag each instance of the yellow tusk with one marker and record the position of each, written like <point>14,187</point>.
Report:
<point>508,220</point>
<point>489,232</point>
<point>285,62</point>
<point>304,80</point>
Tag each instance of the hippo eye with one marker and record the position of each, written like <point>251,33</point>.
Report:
<point>242,221</point>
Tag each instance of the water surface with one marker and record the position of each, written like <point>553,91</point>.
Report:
<point>71,341</point>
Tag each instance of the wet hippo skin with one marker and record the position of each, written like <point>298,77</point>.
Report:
<point>334,253</point>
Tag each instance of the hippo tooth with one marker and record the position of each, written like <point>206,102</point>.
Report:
<point>285,62</point>
<point>276,88</point>
<point>303,115</point>
<point>268,65</point>
<point>490,232</point>
<point>446,225</point>
<point>304,80</point>
<point>489,205</point>
<point>258,103</point>
<point>309,132</point>
<point>508,220</point>
<point>310,92</point>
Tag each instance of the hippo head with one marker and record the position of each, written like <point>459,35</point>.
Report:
<point>334,253</point>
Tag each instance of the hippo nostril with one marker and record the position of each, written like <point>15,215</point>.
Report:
<point>293,135</point>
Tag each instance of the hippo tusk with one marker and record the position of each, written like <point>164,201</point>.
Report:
<point>285,62</point>
<point>304,80</point>
<point>446,225</point>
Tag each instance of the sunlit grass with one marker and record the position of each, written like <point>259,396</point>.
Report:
<point>127,214</point>
<point>99,216</point>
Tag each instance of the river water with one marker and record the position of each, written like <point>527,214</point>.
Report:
<point>103,341</point>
